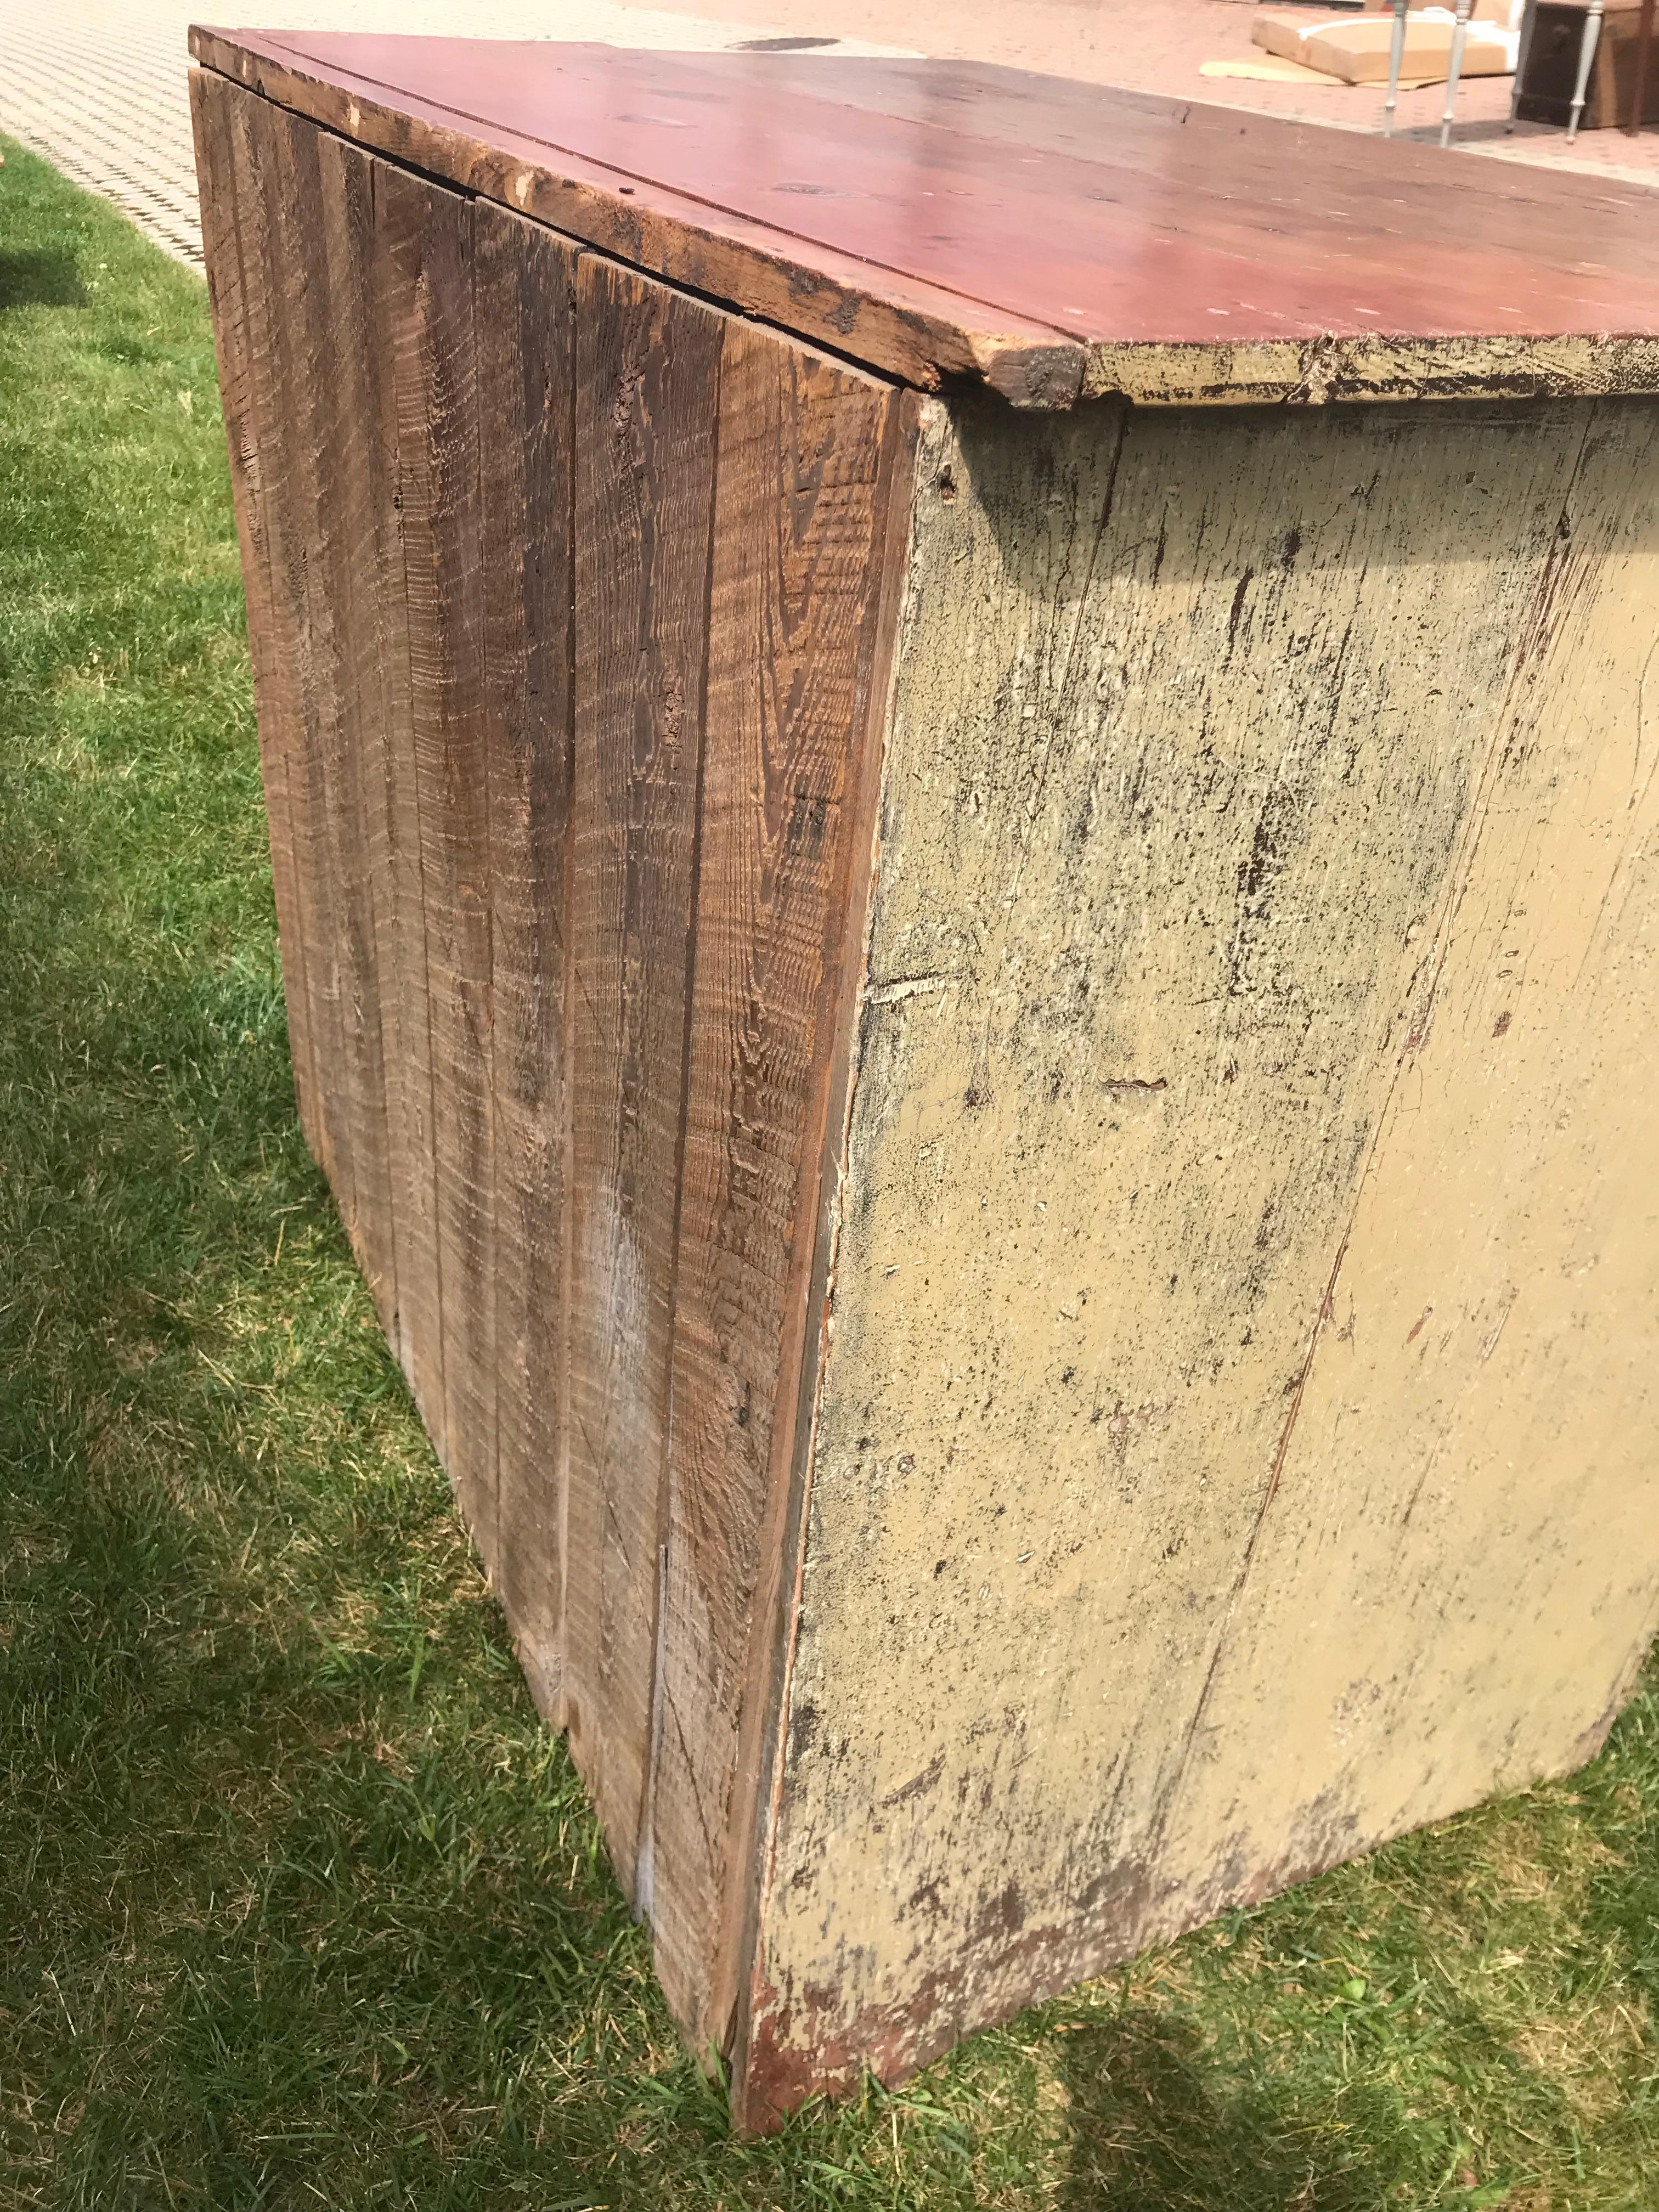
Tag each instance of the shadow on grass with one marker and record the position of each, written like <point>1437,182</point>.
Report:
<point>43,276</point>
<point>1154,2129</point>
<point>292,1863</point>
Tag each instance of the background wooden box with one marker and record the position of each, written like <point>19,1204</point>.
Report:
<point>993,1063</point>
<point>1551,70</point>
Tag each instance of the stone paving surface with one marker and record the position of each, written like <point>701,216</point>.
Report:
<point>98,85</point>
<point>1157,45</point>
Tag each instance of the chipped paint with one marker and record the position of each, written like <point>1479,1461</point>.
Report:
<point>1317,372</point>
<point>1143,1573</point>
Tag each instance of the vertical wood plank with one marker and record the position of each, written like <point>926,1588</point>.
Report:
<point>288,751</point>
<point>334,393</point>
<point>803,448</point>
<point>647,393</point>
<point>236,278</point>
<point>524,280</point>
<point>444,575</point>
<point>288,248</point>
<point>406,1014</point>
<point>445,813</point>
<point>447,603</point>
<point>375,672</point>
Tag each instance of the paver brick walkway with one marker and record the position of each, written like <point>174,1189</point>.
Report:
<point>1158,45</point>
<point>99,86</point>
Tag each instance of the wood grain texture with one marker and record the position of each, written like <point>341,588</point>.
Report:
<point>732,496</point>
<point>1192,740</point>
<point>283,171</point>
<point>332,481</point>
<point>406,1017</point>
<point>805,453</point>
<point>319,498</point>
<point>440,432</point>
<point>544,570</point>
<point>524,283</point>
<point>647,368</point>
<point>365,578</point>
<point>1151,252</point>
<point>237,280</point>
<point>283,431</point>
<point>352,505</point>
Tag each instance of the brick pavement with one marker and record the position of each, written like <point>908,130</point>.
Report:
<point>1156,45</point>
<point>1158,48</point>
<point>99,86</point>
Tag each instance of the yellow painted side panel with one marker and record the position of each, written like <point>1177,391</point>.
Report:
<point>1455,1579</point>
<point>1218,779</point>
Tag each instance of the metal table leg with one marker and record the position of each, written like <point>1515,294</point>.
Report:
<point>1454,69</point>
<point>1396,48</point>
<point>1586,59</point>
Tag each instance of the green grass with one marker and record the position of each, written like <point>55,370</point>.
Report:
<point>298,1904</point>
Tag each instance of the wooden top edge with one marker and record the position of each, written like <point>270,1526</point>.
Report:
<point>906,329</point>
<point>948,223</point>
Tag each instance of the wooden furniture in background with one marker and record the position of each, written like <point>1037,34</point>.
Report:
<point>1641,68</point>
<point>1551,66</point>
<point>993,1062</point>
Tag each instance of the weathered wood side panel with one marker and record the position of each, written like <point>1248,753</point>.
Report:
<point>581,601</point>
<point>806,453</point>
<point>525,281</point>
<point>647,370</point>
<point>1454,1577</point>
<point>1191,717</point>
<point>236,288</point>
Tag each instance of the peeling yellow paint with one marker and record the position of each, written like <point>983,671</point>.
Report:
<point>1312,372</point>
<point>1228,1449</point>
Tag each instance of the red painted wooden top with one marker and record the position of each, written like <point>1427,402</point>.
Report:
<point>940,221</point>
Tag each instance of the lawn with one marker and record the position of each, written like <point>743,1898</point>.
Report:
<point>299,1904</point>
